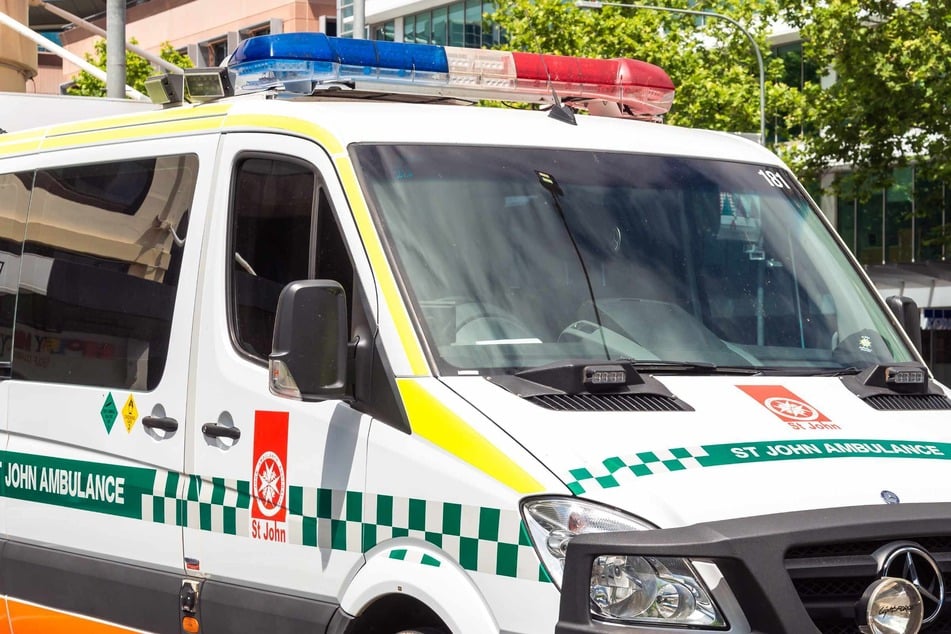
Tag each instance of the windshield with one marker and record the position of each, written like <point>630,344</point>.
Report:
<point>513,258</point>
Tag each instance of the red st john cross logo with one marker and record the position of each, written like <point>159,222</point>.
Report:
<point>784,404</point>
<point>269,480</point>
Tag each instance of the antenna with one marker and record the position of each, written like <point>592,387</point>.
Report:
<point>559,111</point>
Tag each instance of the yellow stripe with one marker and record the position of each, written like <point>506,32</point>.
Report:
<point>142,118</point>
<point>301,127</point>
<point>18,143</point>
<point>381,267</point>
<point>125,133</point>
<point>435,422</point>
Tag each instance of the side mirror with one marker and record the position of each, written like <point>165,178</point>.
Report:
<point>906,311</point>
<point>308,357</point>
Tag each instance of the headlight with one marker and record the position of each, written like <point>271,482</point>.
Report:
<point>658,590</point>
<point>553,521</point>
<point>624,588</point>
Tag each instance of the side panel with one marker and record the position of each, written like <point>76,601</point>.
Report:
<point>454,538</point>
<point>97,404</point>
<point>272,516</point>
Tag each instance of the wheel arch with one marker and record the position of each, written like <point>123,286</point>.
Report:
<point>415,575</point>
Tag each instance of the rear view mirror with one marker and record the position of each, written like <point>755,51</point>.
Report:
<point>906,311</point>
<point>309,351</point>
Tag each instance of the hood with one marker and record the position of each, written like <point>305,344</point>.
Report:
<point>749,446</point>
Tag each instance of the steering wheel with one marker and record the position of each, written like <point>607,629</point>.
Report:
<point>489,323</point>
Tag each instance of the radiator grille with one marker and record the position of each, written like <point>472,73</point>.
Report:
<point>830,580</point>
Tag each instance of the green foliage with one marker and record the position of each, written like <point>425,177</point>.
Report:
<point>711,61</point>
<point>888,105</point>
<point>137,69</point>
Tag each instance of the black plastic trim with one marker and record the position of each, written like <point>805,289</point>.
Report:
<point>121,593</point>
<point>750,554</point>
<point>231,608</point>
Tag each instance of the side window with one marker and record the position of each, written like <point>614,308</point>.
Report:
<point>14,203</point>
<point>275,241</point>
<point>100,268</point>
<point>271,242</point>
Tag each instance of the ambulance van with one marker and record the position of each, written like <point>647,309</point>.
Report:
<point>324,350</point>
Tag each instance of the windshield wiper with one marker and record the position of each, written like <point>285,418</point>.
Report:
<point>577,376</point>
<point>692,367</point>
<point>849,371</point>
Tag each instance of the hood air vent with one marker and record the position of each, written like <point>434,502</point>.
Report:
<point>908,401</point>
<point>580,386</point>
<point>609,403</point>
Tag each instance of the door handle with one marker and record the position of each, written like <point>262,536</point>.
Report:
<point>160,422</point>
<point>220,431</point>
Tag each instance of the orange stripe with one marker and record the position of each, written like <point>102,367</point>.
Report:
<point>27,618</point>
<point>4,618</point>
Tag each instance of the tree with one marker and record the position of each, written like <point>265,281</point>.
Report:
<point>138,69</point>
<point>888,105</point>
<point>710,61</point>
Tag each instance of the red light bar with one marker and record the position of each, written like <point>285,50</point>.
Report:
<point>643,88</point>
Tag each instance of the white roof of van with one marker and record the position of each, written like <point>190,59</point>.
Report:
<point>353,121</point>
<point>22,111</point>
<point>349,121</point>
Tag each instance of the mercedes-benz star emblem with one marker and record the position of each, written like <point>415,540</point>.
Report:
<point>917,566</point>
<point>890,497</point>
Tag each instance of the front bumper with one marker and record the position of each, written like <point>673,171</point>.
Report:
<point>795,573</point>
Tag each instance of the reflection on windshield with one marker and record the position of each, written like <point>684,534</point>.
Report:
<point>516,257</point>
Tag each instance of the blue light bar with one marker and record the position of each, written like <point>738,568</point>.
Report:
<point>300,61</point>
<point>301,46</point>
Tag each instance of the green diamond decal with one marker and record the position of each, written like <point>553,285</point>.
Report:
<point>109,413</point>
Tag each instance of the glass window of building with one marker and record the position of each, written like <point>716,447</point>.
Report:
<point>931,214</point>
<point>345,14</point>
<point>457,24</point>
<point>440,25</point>
<point>214,51</point>
<point>473,38</point>
<point>898,217</point>
<point>423,28</point>
<point>904,223</point>
<point>491,33</point>
<point>385,31</point>
<point>869,242</point>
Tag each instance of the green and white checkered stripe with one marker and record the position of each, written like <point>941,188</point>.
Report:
<point>481,539</point>
<point>616,470</point>
<point>218,505</point>
<point>414,556</point>
<point>161,504</point>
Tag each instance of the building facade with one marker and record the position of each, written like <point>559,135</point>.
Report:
<point>206,30</point>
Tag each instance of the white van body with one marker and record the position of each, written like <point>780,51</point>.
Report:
<point>151,480</point>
